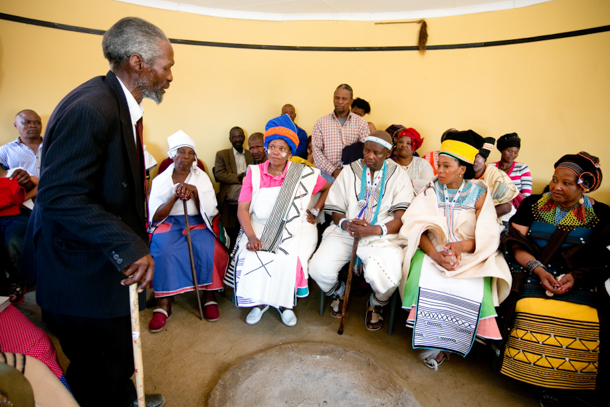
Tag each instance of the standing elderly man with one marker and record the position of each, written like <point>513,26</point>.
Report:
<point>367,201</point>
<point>89,223</point>
<point>335,131</point>
<point>230,169</point>
<point>25,151</point>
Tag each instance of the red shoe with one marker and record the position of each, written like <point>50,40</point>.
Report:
<point>157,323</point>
<point>210,311</point>
<point>16,293</point>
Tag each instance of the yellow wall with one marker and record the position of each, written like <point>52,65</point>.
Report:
<point>555,94</point>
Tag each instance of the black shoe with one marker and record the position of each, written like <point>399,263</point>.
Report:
<point>16,293</point>
<point>152,400</point>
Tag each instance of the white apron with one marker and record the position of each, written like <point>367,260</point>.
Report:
<point>264,277</point>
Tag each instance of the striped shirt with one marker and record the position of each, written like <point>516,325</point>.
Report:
<point>16,154</point>
<point>521,176</point>
<point>329,138</point>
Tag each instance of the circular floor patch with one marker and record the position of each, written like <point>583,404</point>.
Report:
<point>310,374</point>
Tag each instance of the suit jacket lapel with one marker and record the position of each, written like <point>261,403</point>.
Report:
<point>130,145</point>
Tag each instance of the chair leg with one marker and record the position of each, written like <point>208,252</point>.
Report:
<point>322,295</point>
<point>392,312</point>
<point>480,348</point>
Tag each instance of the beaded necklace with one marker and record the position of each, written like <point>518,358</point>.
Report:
<point>450,209</point>
<point>367,193</point>
<point>579,215</point>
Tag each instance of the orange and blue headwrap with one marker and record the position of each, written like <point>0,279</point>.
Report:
<point>282,128</point>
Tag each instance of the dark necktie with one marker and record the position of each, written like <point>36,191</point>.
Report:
<point>142,163</point>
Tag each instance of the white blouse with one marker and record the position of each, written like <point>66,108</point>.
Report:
<point>420,171</point>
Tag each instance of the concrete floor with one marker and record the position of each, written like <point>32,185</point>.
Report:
<point>186,360</point>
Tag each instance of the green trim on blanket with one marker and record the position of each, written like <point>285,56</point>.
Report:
<point>487,305</point>
<point>412,284</point>
<point>412,288</point>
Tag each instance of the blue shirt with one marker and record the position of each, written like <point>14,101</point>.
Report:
<point>302,148</point>
<point>16,154</point>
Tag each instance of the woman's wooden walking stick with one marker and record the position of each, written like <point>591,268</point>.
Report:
<point>188,239</point>
<point>348,284</point>
<point>134,308</point>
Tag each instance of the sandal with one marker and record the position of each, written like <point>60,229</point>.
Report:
<point>551,398</point>
<point>431,361</point>
<point>210,311</point>
<point>336,307</point>
<point>373,316</point>
<point>160,317</point>
<point>16,293</point>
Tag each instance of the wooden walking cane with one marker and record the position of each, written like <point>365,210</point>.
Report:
<point>188,239</point>
<point>134,308</point>
<point>348,284</point>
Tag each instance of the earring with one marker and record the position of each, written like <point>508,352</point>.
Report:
<point>581,200</point>
<point>460,175</point>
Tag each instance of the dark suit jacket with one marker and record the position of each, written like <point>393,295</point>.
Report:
<point>225,171</point>
<point>89,217</point>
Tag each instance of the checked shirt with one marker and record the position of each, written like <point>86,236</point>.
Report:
<point>329,138</point>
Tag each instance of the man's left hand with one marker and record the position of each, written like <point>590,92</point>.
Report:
<point>141,271</point>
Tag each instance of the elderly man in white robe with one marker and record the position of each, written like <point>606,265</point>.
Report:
<point>367,201</point>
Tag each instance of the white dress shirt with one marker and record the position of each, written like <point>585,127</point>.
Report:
<point>136,110</point>
<point>240,161</point>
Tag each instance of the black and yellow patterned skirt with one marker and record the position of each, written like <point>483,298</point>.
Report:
<point>553,344</point>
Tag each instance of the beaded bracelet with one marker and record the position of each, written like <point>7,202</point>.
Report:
<point>533,264</point>
<point>315,212</point>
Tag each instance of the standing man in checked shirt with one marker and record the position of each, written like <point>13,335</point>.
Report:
<point>335,131</point>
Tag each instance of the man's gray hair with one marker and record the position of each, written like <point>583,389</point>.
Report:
<point>346,87</point>
<point>132,35</point>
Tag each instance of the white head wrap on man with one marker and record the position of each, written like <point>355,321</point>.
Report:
<point>379,141</point>
<point>178,140</point>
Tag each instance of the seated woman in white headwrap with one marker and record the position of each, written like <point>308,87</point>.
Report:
<point>183,181</point>
<point>276,211</point>
<point>453,273</point>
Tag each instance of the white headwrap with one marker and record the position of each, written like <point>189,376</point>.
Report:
<point>378,141</point>
<point>177,140</point>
